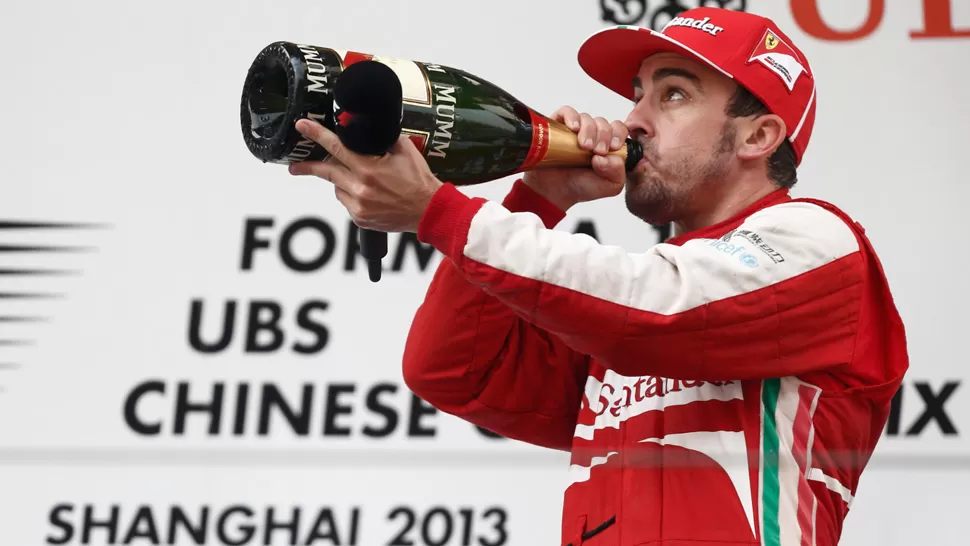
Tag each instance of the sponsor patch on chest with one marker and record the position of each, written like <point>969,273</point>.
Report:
<point>620,397</point>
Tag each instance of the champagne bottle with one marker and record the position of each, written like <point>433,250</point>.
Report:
<point>468,129</point>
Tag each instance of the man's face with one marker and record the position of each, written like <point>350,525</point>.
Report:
<point>688,139</point>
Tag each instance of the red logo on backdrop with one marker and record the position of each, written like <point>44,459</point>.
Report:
<point>937,21</point>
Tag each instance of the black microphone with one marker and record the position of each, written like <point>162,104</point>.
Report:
<point>367,110</point>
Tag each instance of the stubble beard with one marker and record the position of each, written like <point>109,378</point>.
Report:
<point>664,194</point>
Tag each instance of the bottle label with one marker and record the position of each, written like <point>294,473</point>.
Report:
<point>415,89</point>
<point>540,141</point>
<point>414,84</point>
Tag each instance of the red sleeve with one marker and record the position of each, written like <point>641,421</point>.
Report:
<point>778,296</point>
<point>470,355</point>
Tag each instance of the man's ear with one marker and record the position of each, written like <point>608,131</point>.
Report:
<point>761,136</point>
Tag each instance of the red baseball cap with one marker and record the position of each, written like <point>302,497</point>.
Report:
<point>748,48</point>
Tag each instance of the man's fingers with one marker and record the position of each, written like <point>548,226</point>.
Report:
<point>343,182</point>
<point>328,139</point>
<point>587,132</point>
<point>610,167</point>
<point>327,170</point>
<point>321,169</point>
<point>620,134</point>
<point>604,136</point>
<point>567,115</point>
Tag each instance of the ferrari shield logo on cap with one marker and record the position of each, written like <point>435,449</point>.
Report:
<point>779,57</point>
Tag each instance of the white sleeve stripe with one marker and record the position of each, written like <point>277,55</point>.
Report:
<point>772,245</point>
<point>832,484</point>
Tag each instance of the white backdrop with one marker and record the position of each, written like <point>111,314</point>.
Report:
<point>126,114</point>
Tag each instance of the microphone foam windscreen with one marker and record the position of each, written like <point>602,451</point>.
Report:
<point>367,112</point>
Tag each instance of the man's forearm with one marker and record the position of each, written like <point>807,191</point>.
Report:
<point>469,355</point>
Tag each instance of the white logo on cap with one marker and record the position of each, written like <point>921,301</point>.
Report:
<point>699,24</point>
<point>778,57</point>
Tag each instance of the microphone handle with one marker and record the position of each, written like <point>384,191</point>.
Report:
<point>373,247</point>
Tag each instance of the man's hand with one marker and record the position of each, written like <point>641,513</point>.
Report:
<point>565,187</point>
<point>387,193</point>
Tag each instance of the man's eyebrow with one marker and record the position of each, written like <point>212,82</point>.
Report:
<point>669,72</point>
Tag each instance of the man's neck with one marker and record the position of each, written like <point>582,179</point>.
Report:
<point>724,204</point>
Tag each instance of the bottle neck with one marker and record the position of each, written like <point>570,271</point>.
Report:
<point>563,149</point>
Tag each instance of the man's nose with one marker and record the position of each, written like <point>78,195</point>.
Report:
<point>639,121</point>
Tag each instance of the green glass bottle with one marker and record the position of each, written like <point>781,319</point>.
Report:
<point>469,130</point>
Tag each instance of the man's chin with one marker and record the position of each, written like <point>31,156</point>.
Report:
<point>652,212</point>
<point>648,200</point>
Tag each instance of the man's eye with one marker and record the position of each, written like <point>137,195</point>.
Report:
<point>674,94</point>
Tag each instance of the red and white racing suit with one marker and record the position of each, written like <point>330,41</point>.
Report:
<point>725,387</point>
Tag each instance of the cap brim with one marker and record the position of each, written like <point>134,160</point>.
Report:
<point>613,56</point>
